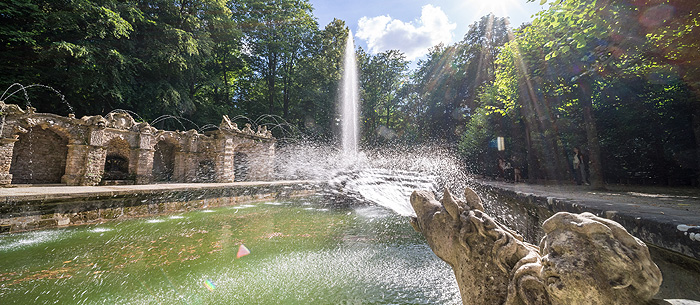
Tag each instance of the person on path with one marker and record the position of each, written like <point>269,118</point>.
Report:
<point>579,167</point>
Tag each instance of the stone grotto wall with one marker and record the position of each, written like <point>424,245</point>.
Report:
<point>41,148</point>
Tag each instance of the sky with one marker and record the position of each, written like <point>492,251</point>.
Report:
<point>414,26</point>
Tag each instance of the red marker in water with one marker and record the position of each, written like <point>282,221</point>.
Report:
<point>242,251</point>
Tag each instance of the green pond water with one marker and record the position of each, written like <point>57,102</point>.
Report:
<point>302,252</point>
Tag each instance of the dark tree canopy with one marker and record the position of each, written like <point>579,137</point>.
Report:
<point>617,78</point>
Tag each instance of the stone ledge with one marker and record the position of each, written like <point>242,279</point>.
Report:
<point>524,207</point>
<point>667,228</point>
<point>31,208</point>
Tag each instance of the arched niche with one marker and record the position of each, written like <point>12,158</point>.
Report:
<point>206,171</point>
<point>39,157</point>
<point>164,160</point>
<point>241,166</point>
<point>117,160</point>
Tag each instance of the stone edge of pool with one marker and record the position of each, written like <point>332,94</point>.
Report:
<point>45,207</point>
<point>661,227</point>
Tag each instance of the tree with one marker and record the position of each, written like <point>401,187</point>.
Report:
<point>274,35</point>
<point>380,79</point>
<point>449,80</point>
<point>317,81</point>
<point>559,73</point>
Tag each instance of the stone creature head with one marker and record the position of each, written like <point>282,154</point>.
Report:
<point>593,260</point>
<point>120,120</point>
<point>10,108</point>
<point>439,221</point>
<point>482,253</point>
<point>96,120</point>
<point>587,259</point>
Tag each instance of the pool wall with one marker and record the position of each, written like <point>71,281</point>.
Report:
<point>525,212</point>
<point>58,207</point>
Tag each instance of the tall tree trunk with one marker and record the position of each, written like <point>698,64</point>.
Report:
<point>288,80</point>
<point>272,75</point>
<point>224,64</point>
<point>595,166</point>
<point>542,123</point>
<point>696,132</point>
<point>388,116</point>
<point>285,94</point>
<point>561,171</point>
<point>533,167</point>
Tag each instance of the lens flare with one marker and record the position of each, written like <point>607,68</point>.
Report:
<point>209,285</point>
<point>242,251</point>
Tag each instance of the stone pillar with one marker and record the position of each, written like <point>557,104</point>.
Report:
<point>144,165</point>
<point>7,146</point>
<point>224,160</point>
<point>85,163</point>
<point>94,165</point>
<point>261,161</point>
<point>269,166</point>
<point>179,167</point>
<point>142,157</point>
<point>189,158</point>
<point>188,170</point>
<point>75,164</point>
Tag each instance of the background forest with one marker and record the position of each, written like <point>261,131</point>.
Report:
<point>618,78</point>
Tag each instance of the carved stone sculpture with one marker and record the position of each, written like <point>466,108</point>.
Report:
<point>120,120</point>
<point>587,259</point>
<point>226,124</point>
<point>247,129</point>
<point>144,128</point>
<point>10,109</point>
<point>95,120</point>
<point>593,260</point>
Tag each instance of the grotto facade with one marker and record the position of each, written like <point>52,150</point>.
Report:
<point>44,148</point>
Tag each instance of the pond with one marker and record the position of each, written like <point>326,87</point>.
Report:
<point>301,252</point>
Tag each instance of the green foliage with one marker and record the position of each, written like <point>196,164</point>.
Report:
<point>381,77</point>
<point>615,77</point>
<point>448,81</point>
<point>475,142</point>
<point>619,78</point>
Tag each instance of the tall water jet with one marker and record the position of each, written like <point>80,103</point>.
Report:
<point>349,101</point>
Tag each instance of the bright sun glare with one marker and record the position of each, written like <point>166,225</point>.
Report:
<point>500,8</point>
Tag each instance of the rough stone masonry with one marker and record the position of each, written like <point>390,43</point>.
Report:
<point>44,148</point>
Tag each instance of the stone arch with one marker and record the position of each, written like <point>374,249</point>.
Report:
<point>206,171</point>
<point>39,157</point>
<point>117,160</point>
<point>241,166</point>
<point>164,160</point>
<point>55,123</point>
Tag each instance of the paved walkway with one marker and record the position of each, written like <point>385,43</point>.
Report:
<point>684,199</point>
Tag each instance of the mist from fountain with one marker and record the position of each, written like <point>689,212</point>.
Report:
<point>384,176</point>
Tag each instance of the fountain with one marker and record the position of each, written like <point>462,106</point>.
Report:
<point>307,250</point>
<point>349,101</point>
<point>379,179</point>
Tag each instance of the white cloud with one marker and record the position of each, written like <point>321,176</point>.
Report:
<point>413,38</point>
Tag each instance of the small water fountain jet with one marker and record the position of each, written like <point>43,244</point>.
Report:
<point>349,102</point>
